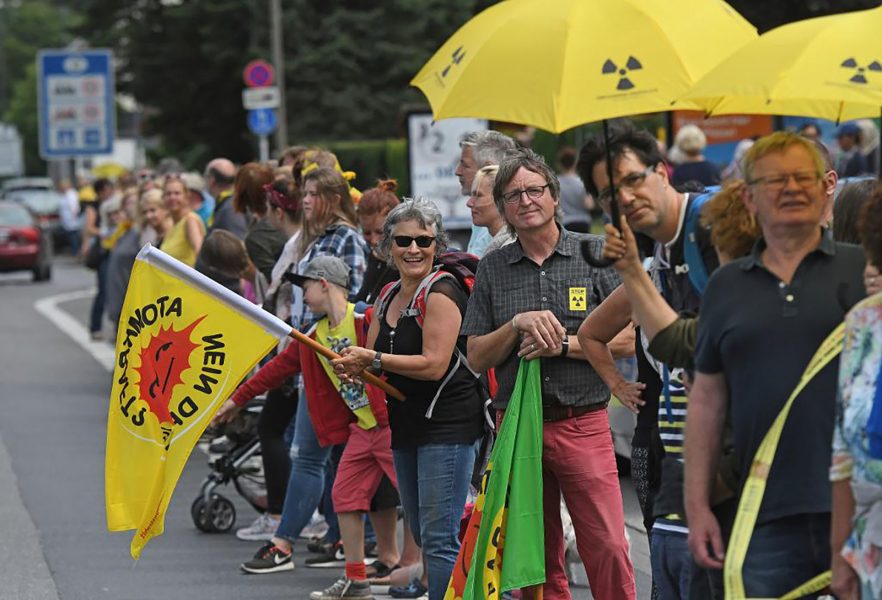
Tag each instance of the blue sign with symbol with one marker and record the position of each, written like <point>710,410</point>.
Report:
<point>262,121</point>
<point>75,94</point>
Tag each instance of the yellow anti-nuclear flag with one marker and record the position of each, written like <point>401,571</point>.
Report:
<point>184,344</point>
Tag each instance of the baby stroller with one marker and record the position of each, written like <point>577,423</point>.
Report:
<point>213,512</point>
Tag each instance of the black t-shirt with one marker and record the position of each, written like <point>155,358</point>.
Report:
<point>760,334</point>
<point>456,418</point>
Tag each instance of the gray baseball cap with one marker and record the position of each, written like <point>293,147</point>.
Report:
<point>329,268</point>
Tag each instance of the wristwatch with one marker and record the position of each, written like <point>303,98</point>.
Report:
<point>564,346</point>
<point>377,363</point>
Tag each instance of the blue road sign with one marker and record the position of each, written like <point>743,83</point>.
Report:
<point>75,94</point>
<point>262,121</point>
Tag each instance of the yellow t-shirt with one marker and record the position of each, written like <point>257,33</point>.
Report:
<point>336,338</point>
<point>176,243</point>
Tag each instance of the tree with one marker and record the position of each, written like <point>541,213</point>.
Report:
<point>25,28</point>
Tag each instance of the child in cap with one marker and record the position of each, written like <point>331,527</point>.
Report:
<point>352,413</point>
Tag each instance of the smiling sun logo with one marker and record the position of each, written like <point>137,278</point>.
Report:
<point>163,362</point>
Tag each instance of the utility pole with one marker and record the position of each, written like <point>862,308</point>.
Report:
<point>279,64</point>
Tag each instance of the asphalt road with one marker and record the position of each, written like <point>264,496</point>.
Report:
<point>54,388</point>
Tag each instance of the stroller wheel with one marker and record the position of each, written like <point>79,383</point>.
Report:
<point>196,510</point>
<point>218,515</point>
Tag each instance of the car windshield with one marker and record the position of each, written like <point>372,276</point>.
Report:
<point>12,215</point>
<point>40,201</point>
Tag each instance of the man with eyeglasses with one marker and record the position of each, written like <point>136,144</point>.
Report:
<point>651,205</point>
<point>762,319</point>
<point>528,300</point>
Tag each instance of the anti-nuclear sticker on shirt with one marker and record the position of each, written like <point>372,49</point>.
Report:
<point>578,299</point>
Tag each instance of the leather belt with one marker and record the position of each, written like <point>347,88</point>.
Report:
<point>558,413</point>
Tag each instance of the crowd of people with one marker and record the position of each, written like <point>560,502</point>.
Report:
<point>372,276</point>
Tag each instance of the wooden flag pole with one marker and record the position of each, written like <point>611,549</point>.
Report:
<point>331,355</point>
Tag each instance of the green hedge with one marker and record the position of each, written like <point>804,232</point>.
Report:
<point>372,160</point>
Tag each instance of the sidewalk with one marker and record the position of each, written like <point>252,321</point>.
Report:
<point>23,569</point>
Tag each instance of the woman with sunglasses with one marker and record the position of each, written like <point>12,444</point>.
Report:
<point>184,240</point>
<point>435,430</point>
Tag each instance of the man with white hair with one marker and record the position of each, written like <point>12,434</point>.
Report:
<point>480,149</point>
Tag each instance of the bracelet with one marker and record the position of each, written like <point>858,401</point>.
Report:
<point>564,346</point>
<point>514,324</point>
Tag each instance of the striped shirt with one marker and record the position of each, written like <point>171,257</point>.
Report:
<point>671,421</point>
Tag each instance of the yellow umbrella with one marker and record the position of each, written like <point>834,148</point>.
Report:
<point>827,67</point>
<point>556,64</point>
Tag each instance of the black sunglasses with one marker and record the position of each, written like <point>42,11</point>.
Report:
<point>422,241</point>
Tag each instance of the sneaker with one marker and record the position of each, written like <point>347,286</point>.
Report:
<point>379,570</point>
<point>414,590</point>
<point>320,545</point>
<point>261,530</point>
<point>316,528</point>
<point>370,549</point>
<point>332,557</point>
<point>345,588</point>
<point>269,559</point>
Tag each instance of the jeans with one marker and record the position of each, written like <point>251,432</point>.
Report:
<point>674,572</point>
<point>307,479</point>
<point>98,302</point>
<point>773,566</point>
<point>433,481</point>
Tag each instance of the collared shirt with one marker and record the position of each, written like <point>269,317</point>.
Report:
<point>508,283</point>
<point>760,333</point>
<point>347,244</point>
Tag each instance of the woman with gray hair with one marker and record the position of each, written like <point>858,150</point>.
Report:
<point>435,430</point>
<point>691,142</point>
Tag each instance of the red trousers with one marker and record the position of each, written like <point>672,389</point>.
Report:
<point>578,461</point>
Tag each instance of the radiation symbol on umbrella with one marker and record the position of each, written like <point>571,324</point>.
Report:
<point>859,71</point>
<point>624,82</point>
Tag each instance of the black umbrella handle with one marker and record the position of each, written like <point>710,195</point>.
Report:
<point>594,261</point>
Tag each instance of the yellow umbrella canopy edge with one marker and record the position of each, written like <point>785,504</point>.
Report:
<point>813,68</point>
<point>514,61</point>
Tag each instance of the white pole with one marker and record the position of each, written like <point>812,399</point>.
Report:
<point>264,148</point>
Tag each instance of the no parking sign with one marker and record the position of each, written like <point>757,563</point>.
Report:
<point>258,73</point>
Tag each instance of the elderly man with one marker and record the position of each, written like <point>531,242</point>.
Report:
<point>528,301</point>
<point>479,149</point>
<point>762,319</point>
<point>220,174</point>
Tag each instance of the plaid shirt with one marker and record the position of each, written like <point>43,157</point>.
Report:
<point>343,242</point>
<point>508,283</point>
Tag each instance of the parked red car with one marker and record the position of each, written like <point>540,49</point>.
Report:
<point>24,244</point>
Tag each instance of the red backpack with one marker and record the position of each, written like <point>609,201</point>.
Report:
<point>460,266</point>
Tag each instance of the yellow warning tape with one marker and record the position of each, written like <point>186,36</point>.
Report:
<point>755,488</point>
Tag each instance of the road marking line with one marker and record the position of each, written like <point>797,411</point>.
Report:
<point>48,307</point>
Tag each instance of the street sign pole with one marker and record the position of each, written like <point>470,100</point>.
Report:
<point>279,61</point>
<point>264,148</point>
<point>261,100</point>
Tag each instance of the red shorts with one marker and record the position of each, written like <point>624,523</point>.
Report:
<point>366,458</point>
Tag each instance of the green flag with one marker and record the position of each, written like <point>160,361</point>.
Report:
<point>504,545</point>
